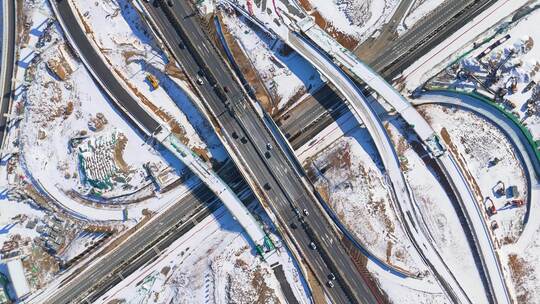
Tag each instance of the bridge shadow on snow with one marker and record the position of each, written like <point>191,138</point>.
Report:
<point>438,174</point>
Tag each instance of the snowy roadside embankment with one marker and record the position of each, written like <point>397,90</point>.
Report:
<point>350,22</point>
<point>135,57</point>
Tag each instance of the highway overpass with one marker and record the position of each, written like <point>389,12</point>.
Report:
<point>250,129</point>
<point>263,244</point>
<point>399,189</point>
<point>6,64</point>
<point>464,193</point>
<point>268,171</point>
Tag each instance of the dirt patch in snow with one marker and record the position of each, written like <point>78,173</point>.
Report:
<point>448,141</point>
<point>520,272</point>
<point>60,67</point>
<point>348,41</point>
<point>118,154</point>
<point>248,70</point>
<point>348,177</point>
<point>174,71</point>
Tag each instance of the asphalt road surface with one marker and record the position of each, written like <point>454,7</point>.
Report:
<point>139,118</point>
<point>373,47</point>
<point>9,7</point>
<point>426,34</point>
<point>284,191</point>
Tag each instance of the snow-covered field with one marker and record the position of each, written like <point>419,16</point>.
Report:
<point>286,75</point>
<point>418,10</point>
<point>348,175</point>
<point>212,263</point>
<point>353,21</point>
<point>479,143</point>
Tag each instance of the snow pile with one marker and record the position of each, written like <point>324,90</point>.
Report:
<point>479,144</point>
<point>285,74</point>
<point>418,10</point>
<point>351,21</point>
<point>348,175</point>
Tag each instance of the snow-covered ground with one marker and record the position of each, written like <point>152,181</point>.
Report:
<point>351,22</point>
<point>127,44</point>
<point>479,143</point>
<point>212,263</point>
<point>404,292</point>
<point>286,75</point>
<point>9,210</point>
<point>348,175</point>
<point>62,103</point>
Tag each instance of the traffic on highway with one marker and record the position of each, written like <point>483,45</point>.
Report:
<point>269,151</point>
